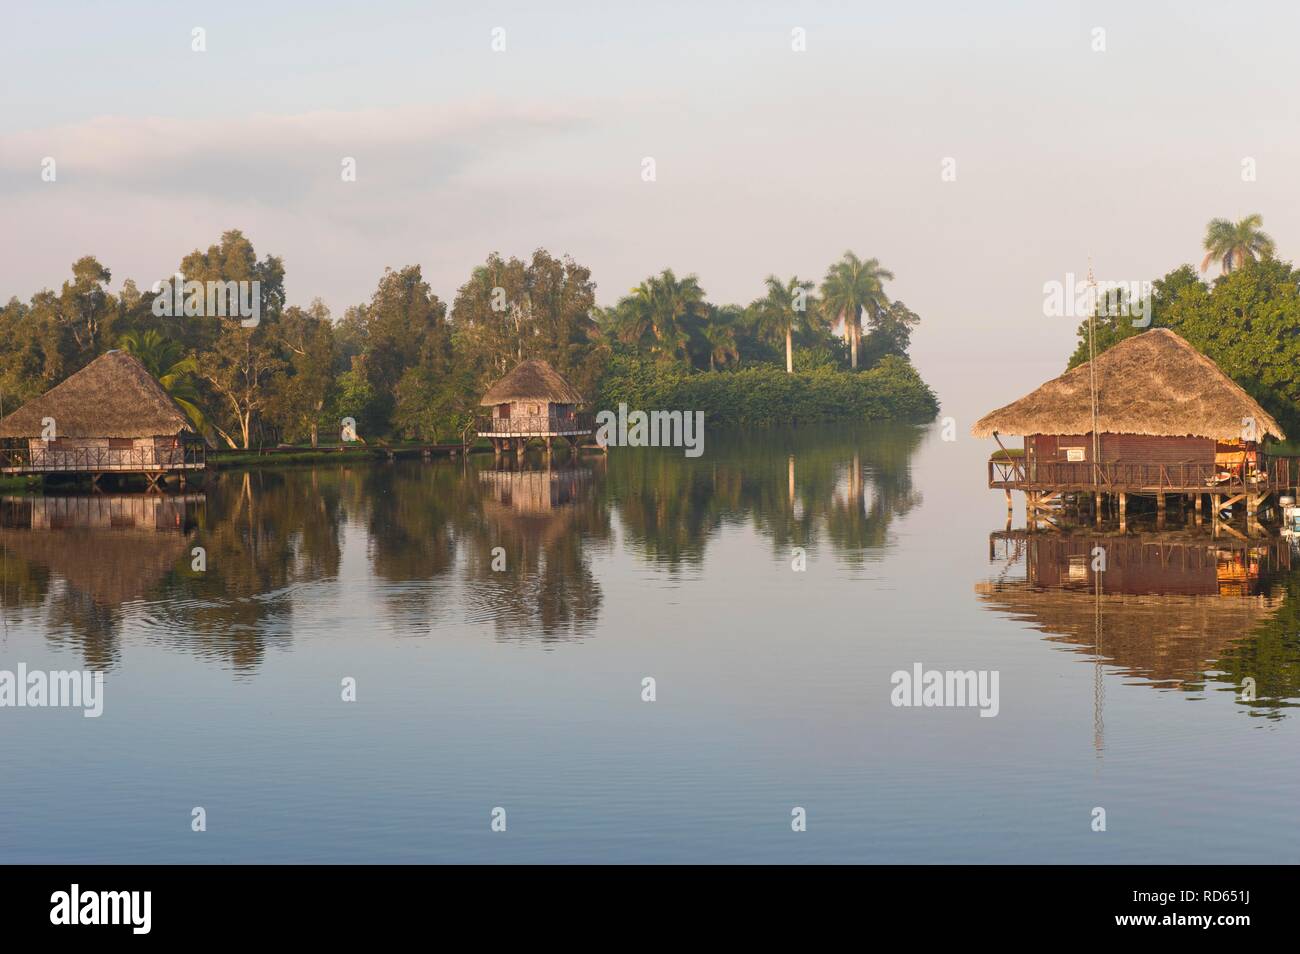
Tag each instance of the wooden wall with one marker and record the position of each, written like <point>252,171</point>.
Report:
<point>1123,448</point>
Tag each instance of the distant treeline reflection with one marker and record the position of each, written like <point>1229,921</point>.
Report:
<point>511,547</point>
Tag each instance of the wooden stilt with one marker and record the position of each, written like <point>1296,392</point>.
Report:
<point>1123,512</point>
<point>1160,511</point>
<point>1097,508</point>
<point>1197,507</point>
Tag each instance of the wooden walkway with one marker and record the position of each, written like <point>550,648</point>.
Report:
<point>1108,486</point>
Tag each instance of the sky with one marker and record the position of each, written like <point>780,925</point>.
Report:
<point>767,159</point>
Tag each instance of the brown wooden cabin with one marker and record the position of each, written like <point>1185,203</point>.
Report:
<point>533,401</point>
<point>1168,421</point>
<point>112,416</point>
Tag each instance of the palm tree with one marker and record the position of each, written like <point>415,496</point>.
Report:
<point>166,360</point>
<point>663,306</point>
<point>852,285</point>
<point>720,333</point>
<point>1232,245</point>
<point>780,310</point>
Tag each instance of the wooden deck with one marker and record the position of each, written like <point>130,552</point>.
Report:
<point>542,425</point>
<point>102,460</point>
<point>1277,474</point>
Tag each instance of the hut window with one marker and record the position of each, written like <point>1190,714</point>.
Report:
<point>1074,453</point>
<point>121,443</point>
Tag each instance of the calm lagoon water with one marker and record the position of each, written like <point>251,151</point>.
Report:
<point>521,688</point>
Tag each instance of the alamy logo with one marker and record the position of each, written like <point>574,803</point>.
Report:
<point>56,689</point>
<point>194,299</point>
<point>103,907</point>
<point>1080,299</point>
<point>651,429</point>
<point>951,688</point>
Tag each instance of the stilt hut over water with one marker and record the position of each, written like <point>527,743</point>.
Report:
<point>1167,421</point>
<point>109,417</point>
<point>533,401</point>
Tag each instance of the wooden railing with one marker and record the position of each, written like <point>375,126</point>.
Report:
<point>56,459</point>
<point>540,424</point>
<point>1273,473</point>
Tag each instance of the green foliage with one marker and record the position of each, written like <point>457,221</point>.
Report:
<point>1233,244</point>
<point>355,398</point>
<point>511,310</point>
<point>853,286</point>
<point>166,360</point>
<point>1247,322</point>
<point>762,396</point>
<point>404,369</point>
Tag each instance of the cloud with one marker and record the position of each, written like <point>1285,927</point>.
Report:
<point>277,161</point>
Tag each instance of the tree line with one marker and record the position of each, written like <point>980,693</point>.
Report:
<point>404,365</point>
<point>1247,320</point>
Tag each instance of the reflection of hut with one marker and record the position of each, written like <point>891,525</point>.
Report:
<point>1163,607</point>
<point>533,401</point>
<point>1167,420</point>
<point>536,491</point>
<point>80,558</point>
<point>111,547</point>
<point>109,417</point>
<point>544,520</point>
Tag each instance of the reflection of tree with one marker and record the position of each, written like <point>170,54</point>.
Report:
<point>75,560</point>
<point>408,511</point>
<point>428,529</point>
<point>434,523</point>
<point>544,521</point>
<point>266,532</point>
<point>798,488</point>
<point>1270,655</point>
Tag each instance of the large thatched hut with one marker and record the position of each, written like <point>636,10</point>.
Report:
<point>1167,420</point>
<point>533,401</point>
<point>112,416</point>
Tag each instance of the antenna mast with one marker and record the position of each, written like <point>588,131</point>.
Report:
<point>1092,368</point>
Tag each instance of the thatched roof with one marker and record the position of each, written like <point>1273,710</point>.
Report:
<point>532,381</point>
<point>113,396</point>
<point>1153,384</point>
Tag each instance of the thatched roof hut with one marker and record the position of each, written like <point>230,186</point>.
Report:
<point>534,381</point>
<point>112,397</point>
<point>1154,384</point>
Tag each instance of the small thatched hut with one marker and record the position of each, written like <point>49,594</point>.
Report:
<point>109,417</point>
<point>1167,420</point>
<point>533,400</point>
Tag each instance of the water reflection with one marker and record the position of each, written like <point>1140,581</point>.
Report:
<point>1178,610</point>
<point>77,560</point>
<point>514,547</point>
<point>802,488</point>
